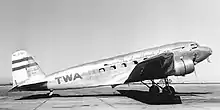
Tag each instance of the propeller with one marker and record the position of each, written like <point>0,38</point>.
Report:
<point>195,74</point>
<point>208,60</point>
<point>195,68</point>
<point>194,58</point>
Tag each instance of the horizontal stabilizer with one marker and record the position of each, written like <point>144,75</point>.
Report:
<point>41,86</point>
<point>14,89</point>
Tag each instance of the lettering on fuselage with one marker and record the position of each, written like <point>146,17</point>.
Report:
<point>68,78</point>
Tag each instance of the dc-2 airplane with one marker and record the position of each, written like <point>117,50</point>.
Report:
<point>177,59</point>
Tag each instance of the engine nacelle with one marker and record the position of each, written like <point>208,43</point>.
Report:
<point>183,66</point>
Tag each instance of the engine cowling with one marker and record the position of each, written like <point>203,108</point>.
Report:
<point>183,66</point>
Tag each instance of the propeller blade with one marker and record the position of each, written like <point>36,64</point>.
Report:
<point>195,63</point>
<point>208,60</point>
<point>195,74</point>
<point>194,58</point>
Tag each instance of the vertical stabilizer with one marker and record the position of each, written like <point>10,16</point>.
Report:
<point>25,69</point>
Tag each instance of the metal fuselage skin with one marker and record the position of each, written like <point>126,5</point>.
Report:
<point>116,70</point>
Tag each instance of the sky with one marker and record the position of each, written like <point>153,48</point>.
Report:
<point>61,34</point>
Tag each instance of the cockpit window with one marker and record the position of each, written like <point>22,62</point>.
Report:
<point>194,45</point>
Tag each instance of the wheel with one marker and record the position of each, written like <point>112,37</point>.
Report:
<point>154,90</point>
<point>168,90</point>
<point>50,93</point>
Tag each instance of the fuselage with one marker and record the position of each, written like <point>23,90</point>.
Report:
<point>116,70</point>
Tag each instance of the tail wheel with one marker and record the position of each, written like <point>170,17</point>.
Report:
<point>168,90</point>
<point>154,89</point>
<point>50,93</point>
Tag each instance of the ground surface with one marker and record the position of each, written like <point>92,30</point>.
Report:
<point>133,97</point>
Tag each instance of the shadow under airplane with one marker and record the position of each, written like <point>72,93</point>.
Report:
<point>142,96</point>
<point>191,93</point>
<point>146,97</point>
<point>42,96</point>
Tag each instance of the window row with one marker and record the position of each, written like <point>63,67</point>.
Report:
<point>113,67</point>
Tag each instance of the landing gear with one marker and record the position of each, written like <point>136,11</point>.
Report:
<point>167,95</point>
<point>155,88</point>
<point>113,86</point>
<point>50,93</point>
<point>168,90</point>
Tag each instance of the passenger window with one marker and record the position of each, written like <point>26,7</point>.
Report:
<point>102,70</point>
<point>113,67</point>
<point>135,62</point>
<point>124,64</point>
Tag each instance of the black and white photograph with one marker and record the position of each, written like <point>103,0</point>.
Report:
<point>109,54</point>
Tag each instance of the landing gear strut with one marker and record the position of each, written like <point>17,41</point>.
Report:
<point>169,90</point>
<point>155,88</point>
<point>50,93</point>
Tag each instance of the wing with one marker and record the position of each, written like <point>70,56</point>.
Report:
<point>156,67</point>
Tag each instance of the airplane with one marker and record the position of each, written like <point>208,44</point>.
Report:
<point>176,59</point>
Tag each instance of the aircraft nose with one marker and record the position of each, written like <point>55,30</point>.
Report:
<point>207,50</point>
<point>204,52</point>
<point>210,51</point>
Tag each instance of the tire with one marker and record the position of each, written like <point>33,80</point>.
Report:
<point>169,90</point>
<point>154,90</point>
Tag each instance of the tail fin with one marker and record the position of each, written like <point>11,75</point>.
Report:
<point>24,69</point>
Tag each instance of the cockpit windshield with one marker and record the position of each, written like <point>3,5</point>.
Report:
<point>194,45</point>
